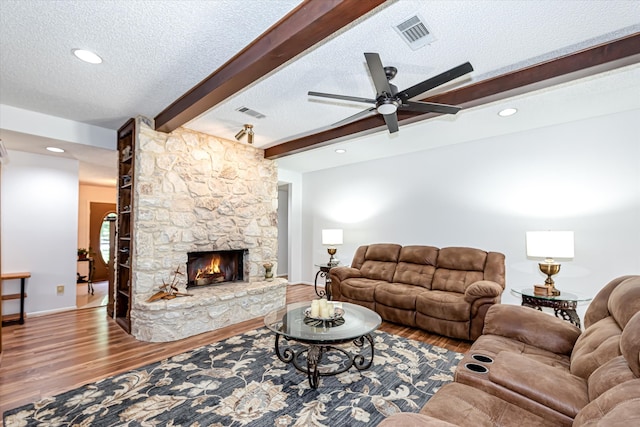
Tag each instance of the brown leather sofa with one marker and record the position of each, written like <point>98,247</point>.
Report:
<point>531,369</point>
<point>446,291</point>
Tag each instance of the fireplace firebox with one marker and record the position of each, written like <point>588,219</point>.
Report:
<point>215,267</point>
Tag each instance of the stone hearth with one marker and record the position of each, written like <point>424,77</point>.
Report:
<point>195,192</point>
<point>210,307</point>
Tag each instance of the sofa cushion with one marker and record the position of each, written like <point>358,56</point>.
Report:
<point>416,265</point>
<point>614,372</point>
<point>458,268</point>
<point>599,307</point>
<point>619,406</point>
<point>630,344</point>
<point>380,261</point>
<point>383,252</point>
<point>624,301</point>
<point>597,345</point>
<point>444,305</point>
<point>466,406</point>
<point>360,289</point>
<point>378,270</point>
<point>398,295</point>
<point>414,274</point>
<point>454,280</point>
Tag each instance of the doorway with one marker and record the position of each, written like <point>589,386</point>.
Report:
<point>99,227</point>
<point>283,230</point>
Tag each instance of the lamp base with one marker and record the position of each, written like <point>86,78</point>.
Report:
<point>550,269</point>
<point>332,261</point>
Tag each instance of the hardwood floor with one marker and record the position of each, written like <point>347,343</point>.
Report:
<point>54,353</point>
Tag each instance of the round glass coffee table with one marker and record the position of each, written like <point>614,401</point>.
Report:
<point>320,337</point>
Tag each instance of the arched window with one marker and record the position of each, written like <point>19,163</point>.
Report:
<point>105,228</point>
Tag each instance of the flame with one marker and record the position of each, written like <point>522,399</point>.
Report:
<point>214,266</point>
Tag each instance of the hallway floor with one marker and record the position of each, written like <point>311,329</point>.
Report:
<point>99,298</point>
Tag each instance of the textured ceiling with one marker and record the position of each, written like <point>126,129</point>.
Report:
<point>155,51</point>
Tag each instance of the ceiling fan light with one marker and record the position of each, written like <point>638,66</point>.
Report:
<point>388,106</point>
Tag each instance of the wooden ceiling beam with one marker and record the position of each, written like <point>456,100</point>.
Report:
<point>311,22</point>
<point>586,62</point>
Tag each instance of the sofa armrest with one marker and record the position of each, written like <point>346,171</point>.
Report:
<point>344,273</point>
<point>409,419</point>
<point>531,327</point>
<point>482,289</point>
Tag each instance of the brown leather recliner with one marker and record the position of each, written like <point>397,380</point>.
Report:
<point>446,291</point>
<point>545,372</point>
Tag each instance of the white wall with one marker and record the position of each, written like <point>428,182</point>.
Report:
<point>582,176</point>
<point>40,228</point>
<point>44,125</point>
<point>295,238</point>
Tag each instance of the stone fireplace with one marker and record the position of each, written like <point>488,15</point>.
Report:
<point>198,194</point>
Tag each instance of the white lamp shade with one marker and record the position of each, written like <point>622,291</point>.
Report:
<point>550,244</point>
<point>332,237</point>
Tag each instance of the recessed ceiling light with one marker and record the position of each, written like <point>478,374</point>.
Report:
<point>508,112</point>
<point>55,149</point>
<point>340,150</point>
<point>87,56</point>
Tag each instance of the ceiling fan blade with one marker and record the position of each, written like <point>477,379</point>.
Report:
<point>429,107</point>
<point>359,115</point>
<point>436,81</point>
<point>392,122</point>
<point>377,73</point>
<point>343,97</point>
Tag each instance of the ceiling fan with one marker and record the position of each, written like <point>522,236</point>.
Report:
<point>388,99</point>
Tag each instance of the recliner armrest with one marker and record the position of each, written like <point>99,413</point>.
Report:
<point>409,419</point>
<point>482,289</point>
<point>343,273</point>
<point>531,327</point>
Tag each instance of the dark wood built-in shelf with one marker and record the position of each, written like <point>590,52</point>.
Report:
<point>123,274</point>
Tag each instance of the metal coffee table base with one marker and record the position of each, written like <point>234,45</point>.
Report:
<point>313,357</point>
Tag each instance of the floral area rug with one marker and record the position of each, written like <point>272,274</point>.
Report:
<point>241,382</point>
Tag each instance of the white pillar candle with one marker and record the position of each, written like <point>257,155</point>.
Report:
<point>332,310</point>
<point>315,308</point>
<point>324,311</point>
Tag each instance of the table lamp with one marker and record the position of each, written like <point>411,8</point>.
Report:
<point>332,237</point>
<point>550,245</point>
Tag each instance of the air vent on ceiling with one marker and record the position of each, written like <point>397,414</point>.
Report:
<point>414,32</point>
<point>252,113</point>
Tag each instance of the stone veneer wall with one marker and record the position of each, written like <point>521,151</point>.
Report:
<point>195,192</point>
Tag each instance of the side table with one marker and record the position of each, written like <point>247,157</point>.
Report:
<point>89,273</point>
<point>323,273</point>
<point>563,305</point>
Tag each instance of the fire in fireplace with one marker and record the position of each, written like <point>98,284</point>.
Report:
<point>214,267</point>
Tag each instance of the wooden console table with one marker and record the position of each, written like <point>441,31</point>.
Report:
<point>15,318</point>
<point>89,273</point>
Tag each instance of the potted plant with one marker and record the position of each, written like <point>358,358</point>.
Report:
<point>82,253</point>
